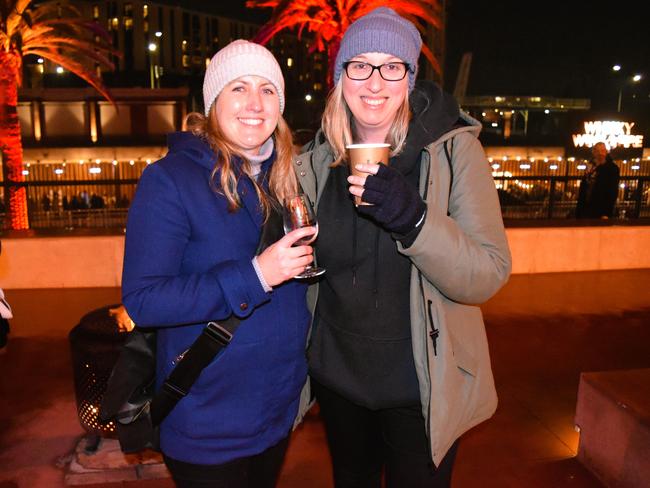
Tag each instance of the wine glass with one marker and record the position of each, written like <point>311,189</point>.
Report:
<point>298,213</point>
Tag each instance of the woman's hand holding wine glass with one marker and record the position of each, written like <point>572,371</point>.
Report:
<point>287,257</point>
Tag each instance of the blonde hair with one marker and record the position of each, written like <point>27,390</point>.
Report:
<point>338,129</point>
<point>282,178</point>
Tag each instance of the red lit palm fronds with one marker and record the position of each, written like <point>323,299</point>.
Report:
<point>328,20</point>
<point>54,31</point>
<point>57,32</point>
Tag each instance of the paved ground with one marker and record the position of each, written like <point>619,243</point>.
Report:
<point>543,331</point>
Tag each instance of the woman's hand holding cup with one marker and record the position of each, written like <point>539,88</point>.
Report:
<point>364,159</point>
<point>357,179</point>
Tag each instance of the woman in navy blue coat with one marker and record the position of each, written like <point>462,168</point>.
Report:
<point>190,258</point>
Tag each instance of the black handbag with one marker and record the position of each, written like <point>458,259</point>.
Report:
<point>130,400</point>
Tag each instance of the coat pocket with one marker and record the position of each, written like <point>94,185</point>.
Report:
<point>463,358</point>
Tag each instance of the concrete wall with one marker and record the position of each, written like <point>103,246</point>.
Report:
<point>72,262</point>
<point>559,249</point>
<point>61,262</point>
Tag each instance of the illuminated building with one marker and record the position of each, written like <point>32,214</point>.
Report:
<point>165,44</point>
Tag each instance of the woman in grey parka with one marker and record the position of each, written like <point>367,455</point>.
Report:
<point>398,358</point>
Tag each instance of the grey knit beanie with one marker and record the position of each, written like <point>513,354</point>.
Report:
<point>240,58</point>
<point>381,30</point>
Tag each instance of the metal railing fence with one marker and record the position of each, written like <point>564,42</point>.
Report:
<point>104,204</point>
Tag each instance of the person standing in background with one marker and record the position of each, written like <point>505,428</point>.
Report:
<point>599,186</point>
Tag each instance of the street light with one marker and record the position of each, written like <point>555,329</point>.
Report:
<point>152,51</point>
<point>635,79</point>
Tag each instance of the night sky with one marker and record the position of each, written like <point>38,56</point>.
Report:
<point>562,49</point>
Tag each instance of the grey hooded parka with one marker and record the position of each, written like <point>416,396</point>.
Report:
<point>458,261</point>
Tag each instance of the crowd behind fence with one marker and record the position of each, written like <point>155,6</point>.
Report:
<point>96,204</point>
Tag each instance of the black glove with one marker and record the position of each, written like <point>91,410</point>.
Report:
<point>397,205</point>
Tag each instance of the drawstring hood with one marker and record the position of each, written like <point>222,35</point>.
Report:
<point>375,279</point>
<point>353,269</point>
<point>354,249</point>
<point>361,340</point>
<point>433,113</point>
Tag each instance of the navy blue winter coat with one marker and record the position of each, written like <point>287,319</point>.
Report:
<point>188,261</point>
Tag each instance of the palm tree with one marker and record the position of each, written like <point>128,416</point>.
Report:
<point>329,19</point>
<point>54,31</point>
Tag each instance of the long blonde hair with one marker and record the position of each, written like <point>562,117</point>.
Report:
<point>338,129</point>
<point>282,178</point>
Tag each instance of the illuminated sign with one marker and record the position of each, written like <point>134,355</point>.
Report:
<point>613,133</point>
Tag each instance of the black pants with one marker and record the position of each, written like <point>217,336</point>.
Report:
<point>363,441</point>
<point>259,471</point>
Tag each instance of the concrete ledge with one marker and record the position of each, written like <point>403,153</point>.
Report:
<point>96,261</point>
<point>62,262</point>
<point>613,413</point>
<point>563,249</point>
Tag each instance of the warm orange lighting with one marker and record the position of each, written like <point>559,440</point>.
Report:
<point>327,21</point>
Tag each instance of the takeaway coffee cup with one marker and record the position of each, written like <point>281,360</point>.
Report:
<point>376,153</point>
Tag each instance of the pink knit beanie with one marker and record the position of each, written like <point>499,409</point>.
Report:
<point>240,58</point>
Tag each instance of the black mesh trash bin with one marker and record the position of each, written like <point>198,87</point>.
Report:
<point>95,345</point>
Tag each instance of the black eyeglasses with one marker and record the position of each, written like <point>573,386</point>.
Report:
<point>359,71</point>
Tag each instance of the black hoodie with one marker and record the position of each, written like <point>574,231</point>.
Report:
<point>361,342</point>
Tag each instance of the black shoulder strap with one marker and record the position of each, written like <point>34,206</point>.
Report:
<point>201,353</point>
<point>213,339</point>
<point>449,153</point>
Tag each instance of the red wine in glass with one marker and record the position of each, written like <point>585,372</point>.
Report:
<point>298,213</point>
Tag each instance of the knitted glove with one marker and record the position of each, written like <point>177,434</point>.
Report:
<point>397,205</point>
